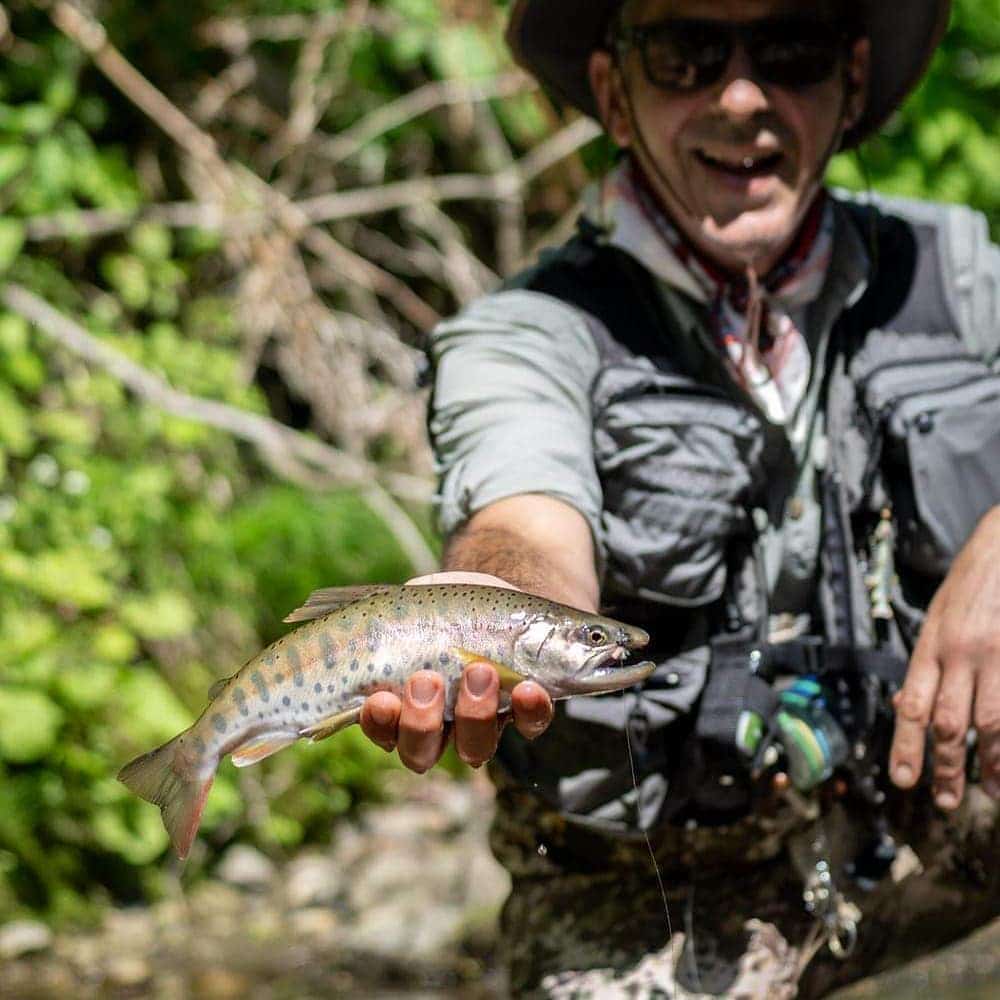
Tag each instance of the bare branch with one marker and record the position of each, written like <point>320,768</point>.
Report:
<point>217,93</point>
<point>292,454</point>
<point>237,34</point>
<point>419,102</point>
<point>92,38</point>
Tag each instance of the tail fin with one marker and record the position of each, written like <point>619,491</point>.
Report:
<point>162,777</point>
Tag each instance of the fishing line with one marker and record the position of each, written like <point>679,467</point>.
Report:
<point>652,857</point>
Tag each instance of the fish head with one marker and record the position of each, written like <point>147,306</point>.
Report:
<point>585,654</point>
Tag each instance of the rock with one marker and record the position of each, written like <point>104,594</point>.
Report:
<point>220,984</point>
<point>315,922</point>
<point>245,867</point>
<point>128,970</point>
<point>312,880</point>
<point>407,929</point>
<point>23,937</point>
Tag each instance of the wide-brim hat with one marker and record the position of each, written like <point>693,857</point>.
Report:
<point>553,40</point>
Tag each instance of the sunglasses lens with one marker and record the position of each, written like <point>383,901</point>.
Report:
<point>796,55</point>
<point>684,57</point>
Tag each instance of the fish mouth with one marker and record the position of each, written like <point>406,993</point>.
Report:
<point>612,674</point>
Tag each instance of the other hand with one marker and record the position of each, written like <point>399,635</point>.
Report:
<point>414,724</point>
<point>953,682</point>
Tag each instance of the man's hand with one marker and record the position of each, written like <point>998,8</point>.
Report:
<point>414,725</point>
<point>954,677</point>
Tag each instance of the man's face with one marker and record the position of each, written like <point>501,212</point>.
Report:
<point>735,163</point>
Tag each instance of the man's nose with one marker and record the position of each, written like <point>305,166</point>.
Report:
<point>741,94</point>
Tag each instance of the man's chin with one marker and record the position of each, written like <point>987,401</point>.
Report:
<point>750,237</point>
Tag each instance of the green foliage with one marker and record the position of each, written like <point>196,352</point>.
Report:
<point>141,555</point>
<point>944,144</point>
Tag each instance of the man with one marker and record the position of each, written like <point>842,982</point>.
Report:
<point>759,421</point>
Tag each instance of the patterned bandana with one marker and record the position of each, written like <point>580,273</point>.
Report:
<point>757,325</point>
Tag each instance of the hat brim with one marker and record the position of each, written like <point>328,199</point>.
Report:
<point>553,40</point>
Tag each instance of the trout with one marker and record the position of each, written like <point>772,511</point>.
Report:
<point>312,682</point>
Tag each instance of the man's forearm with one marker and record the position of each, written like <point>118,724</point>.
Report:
<point>505,553</point>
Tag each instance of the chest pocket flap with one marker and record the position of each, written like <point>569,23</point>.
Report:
<point>678,463</point>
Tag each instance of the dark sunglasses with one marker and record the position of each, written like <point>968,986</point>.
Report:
<point>684,55</point>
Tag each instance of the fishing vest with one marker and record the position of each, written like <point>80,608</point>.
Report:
<point>911,404</point>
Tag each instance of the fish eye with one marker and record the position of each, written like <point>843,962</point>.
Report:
<point>596,635</point>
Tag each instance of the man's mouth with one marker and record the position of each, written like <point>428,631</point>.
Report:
<point>747,166</point>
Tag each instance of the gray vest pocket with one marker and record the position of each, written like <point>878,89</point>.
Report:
<point>934,411</point>
<point>678,462</point>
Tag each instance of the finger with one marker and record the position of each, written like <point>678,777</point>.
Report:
<point>476,729</point>
<point>532,709</point>
<point>380,719</point>
<point>421,722</point>
<point>986,717</point>
<point>913,704</point>
<point>950,725</point>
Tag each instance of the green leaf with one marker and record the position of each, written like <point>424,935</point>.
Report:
<point>13,159</point>
<point>15,425</point>
<point>87,686</point>
<point>149,712</point>
<point>64,576</point>
<point>29,724</point>
<point>11,242</point>
<point>163,615</point>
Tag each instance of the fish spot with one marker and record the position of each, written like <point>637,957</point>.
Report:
<point>354,665</point>
<point>261,685</point>
<point>305,706</point>
<point>444,659</point>
<point>241,700</point>
<point>279,678</point>
<point>330,688</point>
<point>286,700</point>
<point>386,670</point>
<point>296,661</point>
<point>199,744</point>
<point>317,688</point>
<point>329,656</point>
<point>220,723</point>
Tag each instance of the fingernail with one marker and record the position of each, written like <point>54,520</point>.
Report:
<point>478,679</point>
<point>947,800</point>
<point>423,690</point>
<point>903,774</point>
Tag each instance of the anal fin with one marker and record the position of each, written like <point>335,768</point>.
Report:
<point>509,678</point>
<point>258,747</point>
<point>332,724</point>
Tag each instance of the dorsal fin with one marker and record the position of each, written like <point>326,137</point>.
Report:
<point>322,602</point>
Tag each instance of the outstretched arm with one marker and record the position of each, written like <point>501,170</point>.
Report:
<point>528,542</point>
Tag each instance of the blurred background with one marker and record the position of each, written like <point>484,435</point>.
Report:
<point>225,229</point>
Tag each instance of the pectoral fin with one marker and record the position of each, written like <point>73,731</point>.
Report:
<point>509,678</point>
<point>327,727</point>
<point>259,747</point>
<point>322,602</point>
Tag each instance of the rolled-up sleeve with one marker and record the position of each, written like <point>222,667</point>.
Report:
<point>511,412</point>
